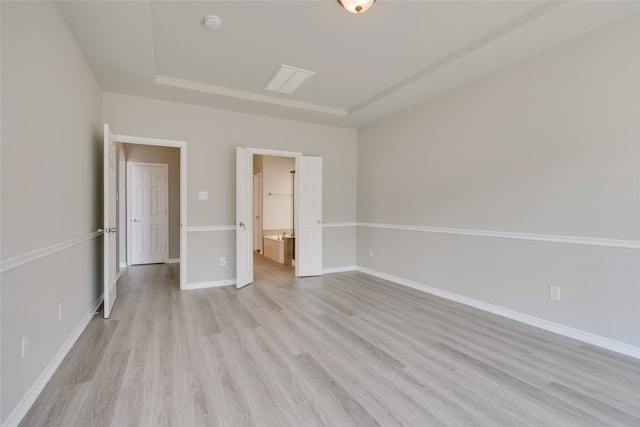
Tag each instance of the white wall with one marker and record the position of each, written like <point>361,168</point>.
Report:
<point>51,191</point>
<point>277,207</point>
<point>549,146</point>
<point>212,136</point>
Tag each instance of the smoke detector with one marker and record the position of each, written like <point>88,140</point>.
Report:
<point>212,22</point>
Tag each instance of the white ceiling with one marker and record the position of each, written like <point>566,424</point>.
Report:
<point>367,66</point>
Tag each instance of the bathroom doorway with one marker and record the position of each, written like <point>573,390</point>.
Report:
<point>274,213</point>
<point>306,201</point>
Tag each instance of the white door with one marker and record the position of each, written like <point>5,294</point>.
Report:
<point>309,232</point>
<point>148,213</point>
<point>244,214</point>
<point>257,212</point>
<point>110,230</point>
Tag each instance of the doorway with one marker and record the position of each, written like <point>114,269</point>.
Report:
<point>306,215</point>
<point>113,228</point>
<point>148,204</point>
<point>273,211</point>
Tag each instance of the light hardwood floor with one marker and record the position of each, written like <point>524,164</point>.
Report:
<point>344,349</point>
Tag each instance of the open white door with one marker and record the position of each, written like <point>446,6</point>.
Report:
<point>309,232</point>
<point>244,217</point>
<point>110,229</point>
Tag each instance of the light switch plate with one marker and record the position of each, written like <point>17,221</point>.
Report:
<point>555,293</point>
<point>203,195</point>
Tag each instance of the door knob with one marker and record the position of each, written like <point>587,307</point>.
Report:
<point>107,230</point>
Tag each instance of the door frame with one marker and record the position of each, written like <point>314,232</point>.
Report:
<point>164,166</point>
<point>182,145</point>
<point>257,231</point>
<point>279,153</point>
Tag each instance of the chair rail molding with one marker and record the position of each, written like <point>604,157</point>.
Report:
<point>556,238</point>
<point>339,224</point>
<point>17,261</point>
<point>211,228</point>
<point>196,228</point>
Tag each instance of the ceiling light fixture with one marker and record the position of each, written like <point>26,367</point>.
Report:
<point>212,22</point>
<point>287,79</point>
<point>356,6</point>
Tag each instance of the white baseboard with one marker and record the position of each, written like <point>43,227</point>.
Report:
<point>211,284</point>
<point>338,269</point>
<point>230,282</point>
<point>173,261</point>
<point>587,337</point>
<point>124,265</point>
<point>27,401</point>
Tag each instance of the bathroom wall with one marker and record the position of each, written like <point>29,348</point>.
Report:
<point>277,202</point>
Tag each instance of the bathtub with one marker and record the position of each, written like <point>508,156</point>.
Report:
<point>278,249</point>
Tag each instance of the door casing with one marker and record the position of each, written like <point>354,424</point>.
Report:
<point>182,145</point>
<point>279,153</point>
<point>257,213</point>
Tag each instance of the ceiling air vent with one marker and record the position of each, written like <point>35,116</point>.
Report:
<point>288,79</point>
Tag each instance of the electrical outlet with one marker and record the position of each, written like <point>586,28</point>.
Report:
<point>203,195</point>
<point>223,261</point>
<point>59,311</point>
<point>555,293</point>
<point>370,253</point>
<point>25,346</point>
